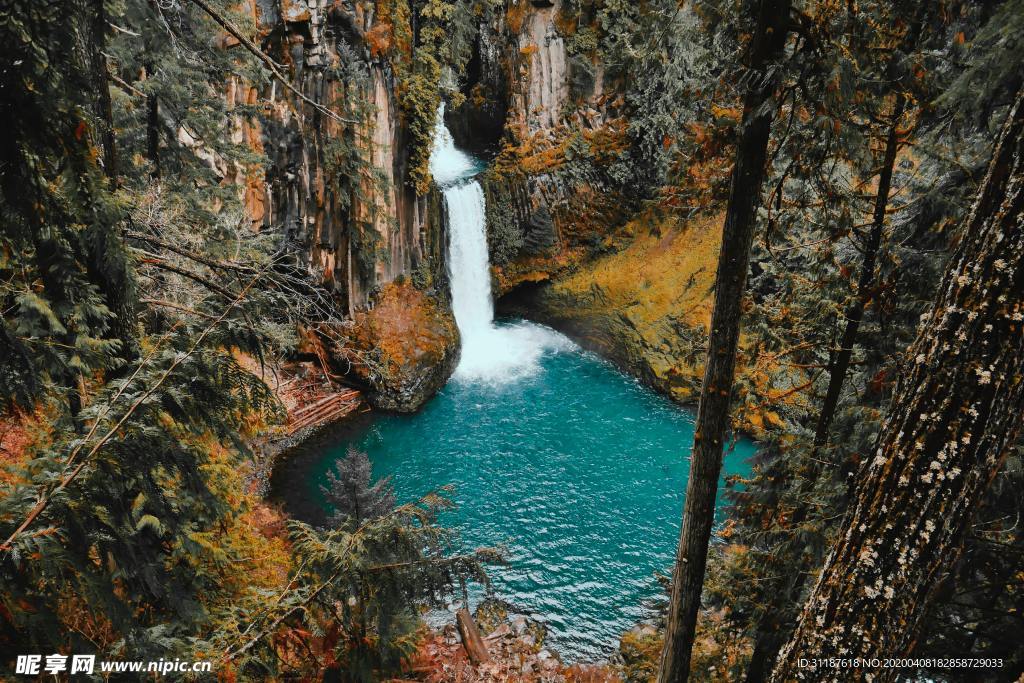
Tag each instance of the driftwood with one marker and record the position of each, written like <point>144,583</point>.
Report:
<point>327,409</point>
<point>472,642</point>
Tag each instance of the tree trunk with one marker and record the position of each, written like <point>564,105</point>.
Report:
<point>472,641</point>
<point>955,412</point>
<point>96,63</point>
<point>153,134</point>
<point>865,283</point>
<point>716,391</point>
<point>108,261</point>
<point>770,635</point>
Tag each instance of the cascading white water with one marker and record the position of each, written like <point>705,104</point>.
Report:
<point>490,353</point>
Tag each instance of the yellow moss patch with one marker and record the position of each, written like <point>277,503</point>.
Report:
<point>404,327</point>
<point>647,304</point>
<point>657,275</point>
<point>535,269</point>
<point>247,549</point>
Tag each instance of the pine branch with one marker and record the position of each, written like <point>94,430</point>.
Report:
<point>467,557</point>
<point>47,497</point>
<point>326,583</point>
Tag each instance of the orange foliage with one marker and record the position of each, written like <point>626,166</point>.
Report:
<point>438,661</point>
<point>608,142</point>
<point>19,433</point>
<point>565,22</point>
<point>393,14</point>
<point>515,15</point>
<point>379,38</point>
<point>590,673</point>
<point>734,113</point>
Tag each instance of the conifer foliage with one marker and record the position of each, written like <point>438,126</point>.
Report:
<point>352,494</point>
<point>938,449</point>
<point>868,158</point>
<point>136,299</point>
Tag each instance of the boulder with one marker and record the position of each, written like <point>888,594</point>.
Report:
<point>403,349</point>
<point>500,632</point>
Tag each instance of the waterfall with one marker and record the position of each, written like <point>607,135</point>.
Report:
<point>491,353</point>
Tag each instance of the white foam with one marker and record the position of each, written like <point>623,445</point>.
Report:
<point>448,164</point>
<point>493,354</point>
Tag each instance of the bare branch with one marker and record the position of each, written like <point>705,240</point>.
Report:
<point>267,61</point>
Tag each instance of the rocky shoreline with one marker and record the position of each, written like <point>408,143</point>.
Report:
<point>517,651</point>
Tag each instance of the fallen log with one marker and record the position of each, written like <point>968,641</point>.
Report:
<point>309,407</point>
<point>472,642</point>
<point>328,408</point>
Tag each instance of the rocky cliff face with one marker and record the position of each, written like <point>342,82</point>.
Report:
<point>568,245</point>
<point>340,189</point>
<point>546,198</point>
<point>359,233</point>
<point>537,104</point>
<point>645,307</point>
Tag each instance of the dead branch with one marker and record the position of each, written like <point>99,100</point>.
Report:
<point>183,309</point>
<point>191,255</point>
<point>267,61</point>
<point>195,277</point>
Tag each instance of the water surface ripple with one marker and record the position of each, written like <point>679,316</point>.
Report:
<point>578,470</point>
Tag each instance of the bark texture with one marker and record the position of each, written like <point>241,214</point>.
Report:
<point>716,390</point>
<point>771,633</point>
<point>956,410</point>
<point>472,641</point>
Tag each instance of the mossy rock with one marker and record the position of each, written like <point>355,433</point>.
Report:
<point>403,350</point>
<point>490,614</point>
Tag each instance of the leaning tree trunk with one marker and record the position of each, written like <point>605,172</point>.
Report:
<point>865,283</point>
<point>109,263</point>
<point>955,412</point>
<point>716,391</point>
<point>771,632</point>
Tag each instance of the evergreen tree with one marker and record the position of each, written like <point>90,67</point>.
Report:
<point>121,530</point>
<point>953,419</point>
<point>869,78</point>
<point>786,513</point>
<point>67,289</point>
<point>767,43</point>
<point>350,608</point>
<point>354,498</point>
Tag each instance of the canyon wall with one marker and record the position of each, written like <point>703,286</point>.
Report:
<point>542,112</point>
<point>338,190</point>
<point>571,243</point>
<point>536,102</point>
<point>359,233</point>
